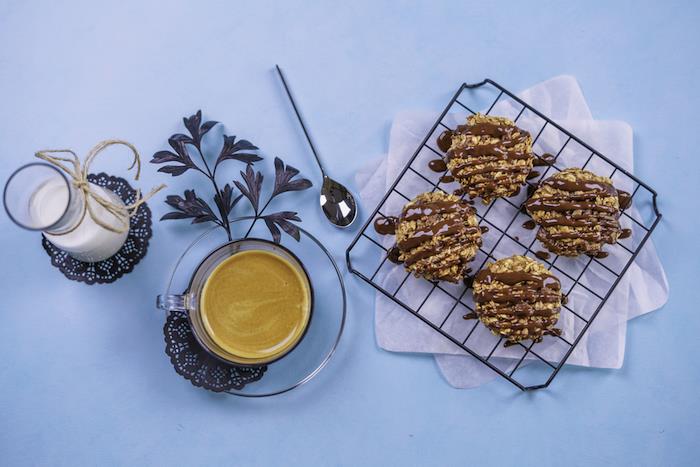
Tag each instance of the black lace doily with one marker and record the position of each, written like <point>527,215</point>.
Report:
<point>123,262</point>
<point>193,363</point>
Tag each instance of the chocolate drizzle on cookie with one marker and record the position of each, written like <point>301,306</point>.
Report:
<point>516,277</point>
<point>393,255</point>
<point>520,301</point>
<point>490,157</point>
<point>589,186</point>
<point>468,281</point>
<point>385,225</point>
<point>624,198</point>
<point>438,235</point>
<point>544,160</point>
<point>577,212</point>
<point>444,140</point>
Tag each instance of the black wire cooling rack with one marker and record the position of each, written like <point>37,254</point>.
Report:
<point>526,365</point>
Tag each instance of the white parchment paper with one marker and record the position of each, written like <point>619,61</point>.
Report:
<point>642,289</point>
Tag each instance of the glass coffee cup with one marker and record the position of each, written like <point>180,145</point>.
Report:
<point>249,302</point>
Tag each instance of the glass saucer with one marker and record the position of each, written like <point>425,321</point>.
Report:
<point>314,351</point>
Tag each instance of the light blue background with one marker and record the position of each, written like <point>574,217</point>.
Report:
<point>83,376</point>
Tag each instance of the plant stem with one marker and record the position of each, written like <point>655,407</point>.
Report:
<point>199,150</point>
<point>224,218</point>
<point>257,216</point>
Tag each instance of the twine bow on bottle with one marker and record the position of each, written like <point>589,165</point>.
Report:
<point>78,174</point>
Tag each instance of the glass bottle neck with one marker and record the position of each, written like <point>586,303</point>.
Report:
<point>73,215</point>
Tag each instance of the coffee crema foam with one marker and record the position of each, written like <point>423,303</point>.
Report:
<point>256,305</point>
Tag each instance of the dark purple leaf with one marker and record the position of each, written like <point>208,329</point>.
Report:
<point>224,200</point>
<point>284,176</point>
<point>290,228</point>
<point>174,170</point>
<point>204,218</point>
<point>192,124</point>
<point>276,234</point>
<point>232,149</point>
<point>164,156</point>
<point>244,145</point>
<point>247,158</point>
<point>251,189</point>
<point>234,202</point>
<point>282,219</point>
<point>206,126</point>
<point>196,128</point>
<point>288,215</point>
<point>296,185</point>
<point>174,215</point>
<point>280,169</point>
<point>177,140</point>
<point>190,207</point>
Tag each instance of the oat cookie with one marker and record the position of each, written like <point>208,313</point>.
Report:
<point>518,298</point>
<point>437,235</point>
<point>577,211</point>
<point>490,157</point>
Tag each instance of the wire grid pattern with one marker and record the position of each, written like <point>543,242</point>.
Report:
<point>500,224</point>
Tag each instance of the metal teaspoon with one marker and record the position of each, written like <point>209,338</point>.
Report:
<point>337,202</point>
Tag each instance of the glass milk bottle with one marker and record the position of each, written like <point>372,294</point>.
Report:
<point>39,196</point>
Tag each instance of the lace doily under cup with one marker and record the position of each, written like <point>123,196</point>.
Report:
<point>193,363</point>
<point>123,262</point>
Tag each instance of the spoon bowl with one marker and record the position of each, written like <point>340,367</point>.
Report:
<point>337,203</point>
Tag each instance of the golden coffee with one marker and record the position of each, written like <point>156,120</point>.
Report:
<point>256,305</point>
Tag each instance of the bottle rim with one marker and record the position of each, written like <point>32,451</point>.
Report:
<point>9,211</point>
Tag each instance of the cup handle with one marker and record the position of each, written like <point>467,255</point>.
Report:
<point>174,302</point>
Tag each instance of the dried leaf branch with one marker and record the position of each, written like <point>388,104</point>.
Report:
<point>250,186</point>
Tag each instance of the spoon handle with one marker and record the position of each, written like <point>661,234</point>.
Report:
<point>301,121</point>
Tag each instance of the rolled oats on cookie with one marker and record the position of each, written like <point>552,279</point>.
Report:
<point>437,235</point>
<point>518,299</point>
<point>490,157</point>
<point>577,211</point>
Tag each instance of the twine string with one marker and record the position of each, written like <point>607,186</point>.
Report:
<point>78,174</point>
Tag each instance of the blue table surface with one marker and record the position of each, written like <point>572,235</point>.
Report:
<point>83,376</point>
